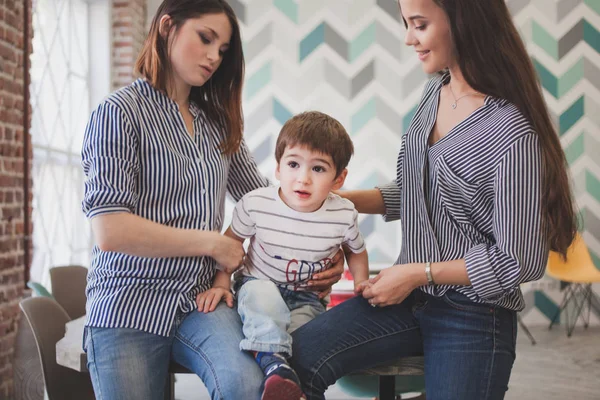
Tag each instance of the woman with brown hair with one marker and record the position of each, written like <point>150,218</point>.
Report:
<point>483,194</point>
<point>160,155</point>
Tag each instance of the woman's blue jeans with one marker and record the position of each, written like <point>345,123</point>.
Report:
<point>469,348</point>
<point>130,364</point>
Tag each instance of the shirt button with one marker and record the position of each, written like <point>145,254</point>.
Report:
<point>203,191</point>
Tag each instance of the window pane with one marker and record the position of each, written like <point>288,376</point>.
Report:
<point>60,108</point>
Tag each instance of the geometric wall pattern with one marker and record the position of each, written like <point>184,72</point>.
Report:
<point>348,58</point>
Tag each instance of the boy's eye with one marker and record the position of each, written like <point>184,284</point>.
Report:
<point>318,168</point>
<point>293,164</point>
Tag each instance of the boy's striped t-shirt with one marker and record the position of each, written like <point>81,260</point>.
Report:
<point>288,246</point>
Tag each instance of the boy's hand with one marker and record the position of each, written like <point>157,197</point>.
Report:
<point>208,301</point>
<point>359,287</point>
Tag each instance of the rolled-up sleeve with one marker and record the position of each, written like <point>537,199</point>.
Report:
<point>110,163</point>
<point>244,175</point>
<point>392,191</point>
<point>520,252</point>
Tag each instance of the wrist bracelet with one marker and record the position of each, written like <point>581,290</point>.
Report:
<point>430,281</point>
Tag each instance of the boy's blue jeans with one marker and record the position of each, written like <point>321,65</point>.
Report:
<point>469,348</point>
<point>265,311</point>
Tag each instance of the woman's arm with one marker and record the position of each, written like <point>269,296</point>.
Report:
<point>133,235</point>
<point>394,284</point>
<point>384,199</point>
<point>520,251</point>
<point>368,201</point>
<point>110,159</point>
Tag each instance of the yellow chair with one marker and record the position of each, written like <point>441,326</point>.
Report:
<point>578,272</point>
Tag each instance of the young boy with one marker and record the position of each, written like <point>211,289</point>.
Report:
<point>294,230</point>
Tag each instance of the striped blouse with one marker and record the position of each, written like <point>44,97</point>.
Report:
<point>474,194</point>
<point>139,158</point>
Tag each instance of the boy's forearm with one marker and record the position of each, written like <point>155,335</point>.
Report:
<point>222,280</point>
<point>358,263</point>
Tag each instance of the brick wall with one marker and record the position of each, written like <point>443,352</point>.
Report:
<point>129,32</point>
<point>12,263</point>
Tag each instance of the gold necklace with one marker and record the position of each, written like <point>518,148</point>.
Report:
<point>464,95</point>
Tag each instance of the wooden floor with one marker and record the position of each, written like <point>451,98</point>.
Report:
<point>556,368</point>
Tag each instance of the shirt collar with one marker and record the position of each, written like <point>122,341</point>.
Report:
<point>161,97</point>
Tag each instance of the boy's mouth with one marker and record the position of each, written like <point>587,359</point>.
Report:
<point>302,193</point>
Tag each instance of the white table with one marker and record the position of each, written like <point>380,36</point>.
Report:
<point>69,349</point>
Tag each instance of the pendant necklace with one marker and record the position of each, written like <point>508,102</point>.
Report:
<point>464,95</point>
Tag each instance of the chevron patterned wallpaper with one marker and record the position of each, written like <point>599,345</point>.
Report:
<point>348,58</point>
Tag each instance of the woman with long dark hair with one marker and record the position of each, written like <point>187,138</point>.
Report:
<point>160,155</point>
<point>483,194</point>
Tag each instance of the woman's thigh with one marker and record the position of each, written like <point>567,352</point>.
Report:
<point>127,364</point>
<point>209,345</point>
<point>469,348</point>
<point>350,337</point>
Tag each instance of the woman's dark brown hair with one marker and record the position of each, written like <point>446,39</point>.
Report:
<point>220,98</point>
<point>493,60</point>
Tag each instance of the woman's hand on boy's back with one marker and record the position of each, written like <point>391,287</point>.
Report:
<point>323,281</point>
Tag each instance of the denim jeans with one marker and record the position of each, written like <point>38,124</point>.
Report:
<point>265,310</point>
<point>132,364</point>
<point>469,348</point>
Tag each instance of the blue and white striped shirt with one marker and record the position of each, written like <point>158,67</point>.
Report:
<point>139,158</point>
<point>474,194</point>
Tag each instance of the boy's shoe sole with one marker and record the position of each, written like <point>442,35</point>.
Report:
<point>278,388</point>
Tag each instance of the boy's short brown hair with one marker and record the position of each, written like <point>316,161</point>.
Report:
<point>319,132</point>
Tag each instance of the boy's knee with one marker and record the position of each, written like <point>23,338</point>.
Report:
<point>260,292</point>
<point>262,296</point>
<point>261,288</point>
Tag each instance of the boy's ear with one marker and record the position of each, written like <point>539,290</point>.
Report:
<point>277,172</point>
<point>339,181</point>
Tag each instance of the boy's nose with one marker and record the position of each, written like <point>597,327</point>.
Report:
<point>304,177</point>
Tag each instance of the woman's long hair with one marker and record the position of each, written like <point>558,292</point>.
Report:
<point>220,98</point>
<point>493,60</point>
